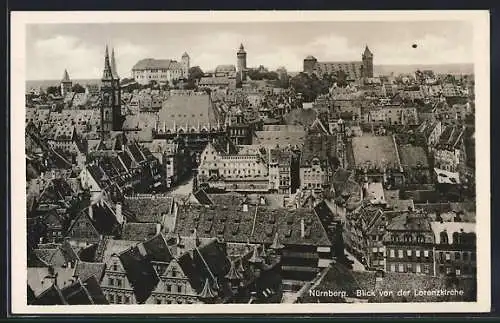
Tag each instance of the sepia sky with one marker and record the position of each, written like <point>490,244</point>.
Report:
<point>80,47</point>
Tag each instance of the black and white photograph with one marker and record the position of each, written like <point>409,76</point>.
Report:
<point>243,162</point>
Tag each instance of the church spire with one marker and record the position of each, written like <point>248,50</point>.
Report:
<point>114,72</point>
<point>107,73</point>
<point>367,52</point>
<point>65,78</point>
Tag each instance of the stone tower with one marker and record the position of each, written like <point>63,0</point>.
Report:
<point>185,65</point>
<point>367,59</point>
<point>242,62</point>
<point>309,64</point>
<point>110,96</point>
<point>66,84</point>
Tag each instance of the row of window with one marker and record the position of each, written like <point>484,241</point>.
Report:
<point>409,253</point>
<point>457,255</point>
<point>410,268</point>
<point>115,298</point>
<point>458,270</point>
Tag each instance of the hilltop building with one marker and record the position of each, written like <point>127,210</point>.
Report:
<point>354,70</point>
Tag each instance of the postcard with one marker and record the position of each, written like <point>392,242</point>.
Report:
<point>250,162</point>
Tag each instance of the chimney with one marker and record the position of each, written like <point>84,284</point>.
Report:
<point>119,214</point>
<point>302,228</point>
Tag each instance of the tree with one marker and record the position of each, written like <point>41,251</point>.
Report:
<point>195,74</point>
<point>77,88</point>
<point>54,90</point>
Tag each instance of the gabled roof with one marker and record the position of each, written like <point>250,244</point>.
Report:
<point>157,249</point>
<point>84,292</point>
<point>85,270</point>
<point>147,209</point>
<point>51,296</point>
<point>140,273</point>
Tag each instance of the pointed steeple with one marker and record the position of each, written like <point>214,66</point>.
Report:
<point>107,73</point>
<point>241,269</point>
<point>114,72</point>
<point>276,245</point>
<point>256,258</point>
<point>263,252</point>
<point>367,52</point>
<point>207,293</point>
<point>185,55</point>
<point>242,49</point>
<point>65,78</point>
<point>233,273</point>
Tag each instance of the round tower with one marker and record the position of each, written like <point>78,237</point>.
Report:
<point>242,61</point>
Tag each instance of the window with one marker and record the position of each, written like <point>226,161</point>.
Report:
<point>408,252</point>
<point>392,253</point>
<point>417,253</point>
<point>418,269</point>
<point>119,299</point>
<point>426,269</point>
<point>426,253</point>
<point>169,288</point>
<point>174,272</point>
<point>400,253</point>
<point>118,282</point>
<point>447,256</point>
<point>127,299</point>
<point>111,282</point>
<point>158,301</point>
<point>111,298</point>
<point>457,271</point>
<point>401,268</point>
<point>457,255</point>
<point>465,256</point>
<point>179,288</point>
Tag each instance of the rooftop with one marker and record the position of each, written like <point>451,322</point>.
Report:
<point>375,150</point>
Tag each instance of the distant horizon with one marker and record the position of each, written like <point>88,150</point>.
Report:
<point>384,67</point>
<point>79,47</point>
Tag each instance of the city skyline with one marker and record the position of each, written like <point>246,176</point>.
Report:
<point>80,47</point>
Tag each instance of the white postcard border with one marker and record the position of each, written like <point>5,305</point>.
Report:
<point>19,20</point>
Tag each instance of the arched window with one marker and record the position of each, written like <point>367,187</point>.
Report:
<point>456,238</point>
<point>444,237</point>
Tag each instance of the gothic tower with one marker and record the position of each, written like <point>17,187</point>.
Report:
<point>66,84</point>
<point>242,62</point>
<point>185,65</point>
<point>110,96</point>
<point>367,59</point>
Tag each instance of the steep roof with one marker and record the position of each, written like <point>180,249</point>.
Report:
<point>85,270</point>
<point>191,111</point>
<point>140,273</point>
<point>152,63</point>
<point>65,78</point>
<point>139,231</point>
<point>147,209</point>
<point>258,224</point>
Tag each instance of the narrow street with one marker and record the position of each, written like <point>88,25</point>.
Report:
<point>356,266</point>
<point>184,188</point>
